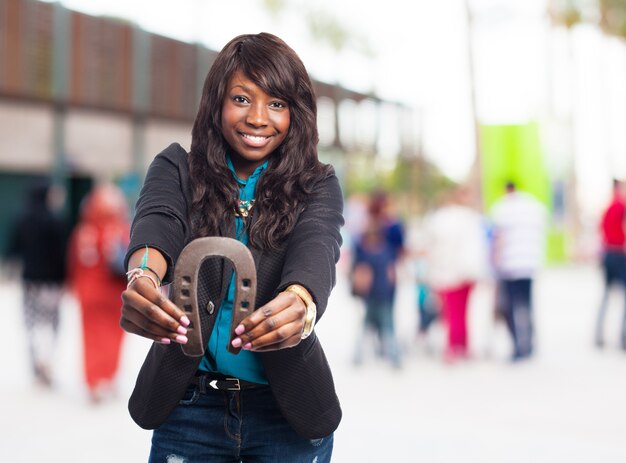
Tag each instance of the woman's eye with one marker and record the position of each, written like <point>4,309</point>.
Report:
<point>278,104</point>
<point>239,99</point>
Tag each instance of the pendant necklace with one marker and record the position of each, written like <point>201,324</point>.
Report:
<point>244,206</point>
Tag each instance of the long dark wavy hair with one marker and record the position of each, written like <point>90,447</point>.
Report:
<point>293,168</point>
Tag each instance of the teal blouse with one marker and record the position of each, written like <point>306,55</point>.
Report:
<point>246,365</point>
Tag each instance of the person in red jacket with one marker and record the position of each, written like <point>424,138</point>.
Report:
<point>97,247</point>
<point>613,230</point>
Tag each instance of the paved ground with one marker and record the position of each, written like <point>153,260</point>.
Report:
<point>567,404</point>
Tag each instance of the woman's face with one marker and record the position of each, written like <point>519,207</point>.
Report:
<point>253,123</point>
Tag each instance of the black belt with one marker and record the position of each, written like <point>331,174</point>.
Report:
<point>208,381</point>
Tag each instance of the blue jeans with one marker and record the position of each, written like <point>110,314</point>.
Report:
<point>224,426</point>
<point>518,315</point>
<point>614,268</point>
<point>428,307</point>
<point>379,318</point>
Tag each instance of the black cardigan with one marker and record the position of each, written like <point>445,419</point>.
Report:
<point>299,377</point>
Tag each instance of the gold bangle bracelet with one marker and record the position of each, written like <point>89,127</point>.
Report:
<point>311,309</point>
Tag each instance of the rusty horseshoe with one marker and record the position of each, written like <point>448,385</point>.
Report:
<point>185,286</point>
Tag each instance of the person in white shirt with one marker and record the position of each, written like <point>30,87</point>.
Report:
<point>456,256</point>
<point>519,222</point>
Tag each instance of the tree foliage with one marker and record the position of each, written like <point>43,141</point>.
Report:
<point>323,26</point>
<point>415,181</point>
<point>613,17</point>
<point>609,15</point>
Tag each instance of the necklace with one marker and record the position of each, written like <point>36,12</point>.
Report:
<point>244,206</point>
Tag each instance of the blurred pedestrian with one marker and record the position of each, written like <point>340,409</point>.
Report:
<point>519,227</point>
<point>38,239</point>
<point>613,231</point>
<point>427,302</point>
<point>96,264</point>
<point>252,174</point>
<point>457,260</point>
<point>356,217</point>
<point>374,280</point>
<point>382,212</point>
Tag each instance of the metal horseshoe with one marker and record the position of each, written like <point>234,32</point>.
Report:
<point>185,286</point>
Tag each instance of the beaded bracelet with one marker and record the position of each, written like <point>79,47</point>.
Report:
<point>136,273</point>
<point>158,280</point>
<point>144,265</point>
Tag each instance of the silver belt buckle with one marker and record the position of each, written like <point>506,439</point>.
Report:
<point>237,386</point>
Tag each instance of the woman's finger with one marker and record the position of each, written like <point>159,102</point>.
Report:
<point>135,306</point>
<point>284,308</point>
<point>135,322</point>
<point>151,331</point>
<point>289,342</point>
<point>154,295</point>
<point>152,304</point>
<point>286,335</point>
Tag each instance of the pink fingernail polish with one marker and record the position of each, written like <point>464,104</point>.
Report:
<point>166,341</point>
<point>184,320</point>
<point>181,339</point>
<point>240,330</point>
<point>236,342</point>
<point>247,346</point>
<point>182,330</point>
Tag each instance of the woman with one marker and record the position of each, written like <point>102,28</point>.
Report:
<point>39,241</point>
<point>457,261</point>
<point>375,258</point>
<point>252,174</point>
<point>96,274</point>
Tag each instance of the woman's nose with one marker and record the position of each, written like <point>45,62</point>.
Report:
<point>257,115</point>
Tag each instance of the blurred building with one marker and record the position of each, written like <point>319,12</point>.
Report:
<point>89,98</point>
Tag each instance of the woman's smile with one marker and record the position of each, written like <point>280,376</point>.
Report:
<point>256,141</point>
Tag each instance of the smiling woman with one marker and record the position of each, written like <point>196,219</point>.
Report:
<point>254,124</point>
<point>252,174</point>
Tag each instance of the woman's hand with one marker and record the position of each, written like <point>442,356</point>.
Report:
<point>148,313</point>
<point>276,325</point>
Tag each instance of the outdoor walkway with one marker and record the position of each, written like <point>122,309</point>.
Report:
<point>568,404</point>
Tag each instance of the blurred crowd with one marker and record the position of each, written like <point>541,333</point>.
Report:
<point>86,260</point>
<point>450,250</point>
<point>445,253</point>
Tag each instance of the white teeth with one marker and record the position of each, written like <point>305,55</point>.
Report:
<point>253,138</point>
